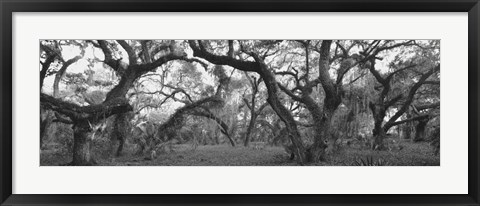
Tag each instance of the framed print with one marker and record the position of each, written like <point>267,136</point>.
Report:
<point>245,103</point>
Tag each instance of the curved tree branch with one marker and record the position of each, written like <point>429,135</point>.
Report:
<point>427,106</point>
<point>145,51</point>
<point>200,51</point>
<point>61,119</point>
<point>114,64</point>
<point>92,113</point>
<point>132,56</point>
<point>45,66</point>
<point>324,75</point>
<point>410,97</point>
<point>376,74</point>
<point>289,93</point>
<point>221,123</point>
<point>61,72</point>
<point>421,117</point>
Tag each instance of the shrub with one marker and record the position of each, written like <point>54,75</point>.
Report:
<point>435,140</point>
<point>370,162</point>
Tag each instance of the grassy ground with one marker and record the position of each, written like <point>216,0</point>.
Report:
<point>419,154</point>
<point>219,155</point>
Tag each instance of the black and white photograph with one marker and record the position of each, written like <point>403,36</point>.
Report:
<point>245,102</point>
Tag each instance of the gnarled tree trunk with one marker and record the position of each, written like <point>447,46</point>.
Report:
<point>272,88</point>
<point>82,118</point>
<point>378,137</point>
<point>82,145</point>
<point>407,128</point>
<point>378,111</point>
<point>251,124</point>
<point>120,130</point>
<point>420,130</point>
<point>316,151</point>
<point>331,102</point>
<point>44,125</point>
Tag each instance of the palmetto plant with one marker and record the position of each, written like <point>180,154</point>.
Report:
<point>368,161</point>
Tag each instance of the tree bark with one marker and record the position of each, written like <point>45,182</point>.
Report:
<point>251,124</point>
<point>253,112</point>
<point>45,66</point>
<point>322,117</point>
<point>233,128</point>
<point>379,135</point>
<point>60,74</point>
<point>44,125</point>
<point>217,136</point>
<point>407,130</point>
<point>379,112</point>
<point>82,145</point>
<point>420,130</point>
<point>282,112</point>
<point>120,130</point>
<point>316,151</point>
<point>330,104</point>
<point>327,142</point>
<point>407,127</point>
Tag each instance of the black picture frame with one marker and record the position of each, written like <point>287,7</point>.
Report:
<point>7,7</point>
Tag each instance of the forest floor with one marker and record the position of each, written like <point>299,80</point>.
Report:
<point>419,154</point>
